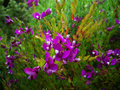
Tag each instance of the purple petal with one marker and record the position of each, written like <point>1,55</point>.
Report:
<point>109,28</point>
<point>83,72</point>
<point>48,11</point>
<point>0,38</point>
<point>36,15</point>
<point>117,21</point>
<point>36,2</point>
<point>89,75</point>
<point>29,71</point>
<point>113,61</point>
<point>58,47</point>
<point>56,40</point>
<point>47,55</point>
<point>109,52</point>
<point>66,54</point>
<point>45,46</point>
<point>98,59</point>
<point>43,14</point>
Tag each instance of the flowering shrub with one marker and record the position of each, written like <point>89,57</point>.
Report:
<point>60,49</point>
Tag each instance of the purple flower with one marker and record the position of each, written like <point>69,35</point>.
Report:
<point>58,39</point>
<point>113,61</point>
<point>70,54</point>
<point>30,2</point>
<point>36,2</point>
<point>28,30</point>
<point>7,16</point>
<point>9,21</point>
<point>32,72</point>
<point>15,43</point>
<point>84,74</point>
<point>36,15</point>
<point>88,74</point>
<point>0,38</point>
<point>77,19</point>
<point>43,14</point>
<point>109,28</point>
<point>49,67</point>
<point>117,21</point>
<point>46,47</point>
<point>3,46</point>
<point>11,71</point>
<point>48,11</point>
<point>109,52</point>
<point>9,62</point>
<point>88,82</point>
<point>19,32</point>
<point>73,25</point>
<point>94,52</point>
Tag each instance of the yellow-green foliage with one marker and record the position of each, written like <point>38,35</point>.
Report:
<point>61,25</point>
<point>87,26</point>
<point>73,6</point>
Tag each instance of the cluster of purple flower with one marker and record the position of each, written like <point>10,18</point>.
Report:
<point>27,31</point>
<point>15,43</point>
<point>32,72</point>
<point>88,73</point>
<point>39,16</point>
<point>98,2</point>
<point>110,28</point>
<point>110,58</point>
<point>66,53</point>
<point>12,81</point>
<point>8,20</point>
<point>118,21</point>
<point>9,62</point>
<point>77,19</point>
<point>30,2</point>
<point>0,38</point>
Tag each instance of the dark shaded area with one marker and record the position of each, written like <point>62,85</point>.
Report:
<point>5,4</point>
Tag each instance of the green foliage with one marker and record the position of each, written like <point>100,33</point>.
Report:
<point>13,9</point>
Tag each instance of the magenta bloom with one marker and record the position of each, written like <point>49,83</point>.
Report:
<point>94,52</point>
<point>0,38</point>
<point>109,28</point>
<point>36,2</point>
<point>77,19</point>
<point>9,21</point>
<point>43,14</point>
<point>27,31</point>
<point>19,32</point>
<point>117,21</point>
<point>48,11</point>
<point>36,15</point>
<point>15,43</point>
<point>32,72</point>
<point>50,67</point>
<point>58,39</point>
<point>88,73</point>
<point>30,2</point>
